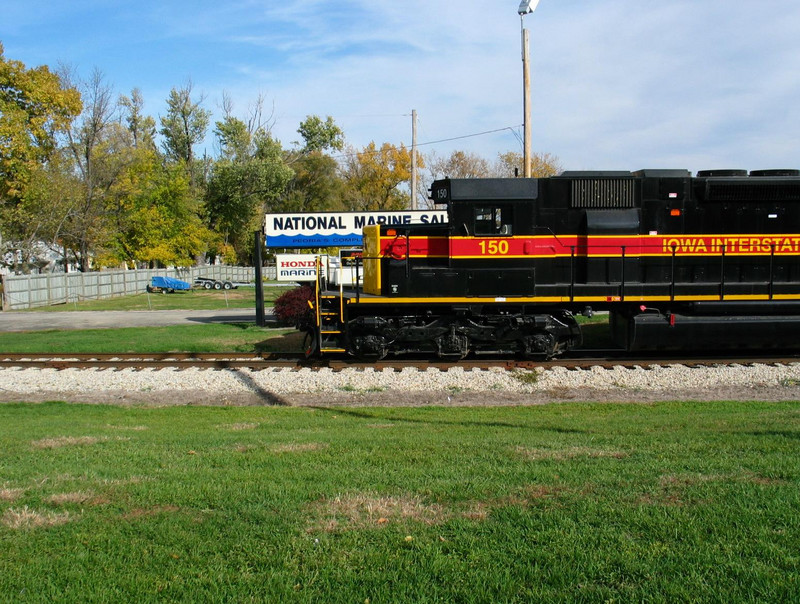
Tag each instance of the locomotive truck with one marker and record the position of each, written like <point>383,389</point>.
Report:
<point>709,262</point>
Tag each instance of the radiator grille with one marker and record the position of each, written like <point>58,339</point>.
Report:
<point>752,192</point>
<point>603,193</point>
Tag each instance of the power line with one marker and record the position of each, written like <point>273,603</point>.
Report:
<point>456,138</point>
<point>436,142</point>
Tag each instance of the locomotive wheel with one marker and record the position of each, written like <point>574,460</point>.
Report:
<point>453,346</point>
<point>310,344</point>
<point>369,347</point>
<point>538,346</point>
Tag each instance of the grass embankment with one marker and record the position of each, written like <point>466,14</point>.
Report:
<point>670,502</point>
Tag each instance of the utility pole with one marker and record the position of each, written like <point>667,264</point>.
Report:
<point>526,82</point>
<point>257,245</point>
<point>413,159</point>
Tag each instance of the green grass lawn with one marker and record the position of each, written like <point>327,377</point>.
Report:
<point>229,337</point>
<point>210,337</point>
<point>194,299</point>
<point>563,503</point>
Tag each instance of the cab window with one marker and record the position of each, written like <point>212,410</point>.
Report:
<point>493,220</point>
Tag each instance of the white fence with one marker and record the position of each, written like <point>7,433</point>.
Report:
<point>30,291</point>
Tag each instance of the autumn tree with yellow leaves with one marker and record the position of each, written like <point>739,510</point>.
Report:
<point>34,109</point>
<point>374,178</point>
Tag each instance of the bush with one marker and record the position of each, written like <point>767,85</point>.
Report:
<point>292,307</point>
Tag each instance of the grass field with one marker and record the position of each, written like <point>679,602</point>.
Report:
<point>563,503</point>
<point>212,337</point>
<point>229,337</point>
<point>194,299</point>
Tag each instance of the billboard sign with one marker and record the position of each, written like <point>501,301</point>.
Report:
<point>337,229</point>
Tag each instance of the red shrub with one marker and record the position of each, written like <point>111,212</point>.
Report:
<point>292,307</point>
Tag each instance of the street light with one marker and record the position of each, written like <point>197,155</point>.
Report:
<point>526,7</point>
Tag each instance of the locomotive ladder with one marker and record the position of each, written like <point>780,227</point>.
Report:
<point>329,325</point>
<point>329,320</point>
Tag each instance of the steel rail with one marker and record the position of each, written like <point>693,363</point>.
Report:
<point>268,361</point>
<point>149,361</point>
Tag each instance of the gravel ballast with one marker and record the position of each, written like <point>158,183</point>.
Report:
<point>409,387</point>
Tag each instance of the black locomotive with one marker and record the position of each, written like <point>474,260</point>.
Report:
<point>679,262</point>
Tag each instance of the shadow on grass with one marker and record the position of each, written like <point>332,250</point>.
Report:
<point>288,342</point>
<point>443,422</point>
<point>241,325</point>
<point>235,320</point>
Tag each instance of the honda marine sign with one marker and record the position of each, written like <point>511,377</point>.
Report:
<point>296,267</point>
<point>337,229</point>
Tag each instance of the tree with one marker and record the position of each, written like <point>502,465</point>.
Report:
<point>158,217</point>
<point>459,164</point>
<point>35,107</point>
<point>234,138</point>
<point>101,150</point>
<point>249,178</point>
<point>509,164</point>
<point>316,185</point>
<point>43,212</point>
<point>183,127</point>
<point>320,136</point>
<point>372,177</point>
<point>142,127</point>
<point>159,221</point>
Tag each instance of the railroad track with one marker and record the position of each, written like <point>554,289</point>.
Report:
<point>219,361</point>
<point>150,361</point>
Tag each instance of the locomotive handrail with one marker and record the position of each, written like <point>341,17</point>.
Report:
<point>572,274</point>
<point>358,287</point>
<point>672,274</point>
<point>771,268</point>
<point>550,231</point>
<point>721,283</point>
<point>408,255</point>
<point>318,302</point>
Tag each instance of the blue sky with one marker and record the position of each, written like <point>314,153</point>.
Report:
<point>618,84</point>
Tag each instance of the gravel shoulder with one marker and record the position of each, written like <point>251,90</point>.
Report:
<point>407,388</point>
